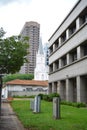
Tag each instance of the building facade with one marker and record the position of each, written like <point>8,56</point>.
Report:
<point>24,87</point>
<point>46,53</point>
<point>32,30</point>
<point>68,56</point>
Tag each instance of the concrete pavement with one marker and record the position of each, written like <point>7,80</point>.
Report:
<point>8,119</point>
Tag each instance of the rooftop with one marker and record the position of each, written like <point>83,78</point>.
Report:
<point>28,82</point>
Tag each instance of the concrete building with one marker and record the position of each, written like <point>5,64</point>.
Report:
<point>24,87</point>
<point>68,56</point>
<point>46,53</point>
<point>32,30</point>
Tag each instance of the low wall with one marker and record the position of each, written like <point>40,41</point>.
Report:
<point>23,93</point>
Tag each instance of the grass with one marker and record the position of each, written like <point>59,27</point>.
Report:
<point>71,118</point>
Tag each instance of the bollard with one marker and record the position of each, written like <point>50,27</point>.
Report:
<point>37,104</point>
<point>56,107</point>
<point>32,105</point>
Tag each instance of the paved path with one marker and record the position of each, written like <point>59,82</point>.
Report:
<point>8,119</point>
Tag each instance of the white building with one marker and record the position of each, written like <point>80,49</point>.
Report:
<point>24,87</point>
<point>41,70</point>
<point>68,56</point>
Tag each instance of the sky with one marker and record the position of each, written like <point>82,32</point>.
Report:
<point>48,13</point>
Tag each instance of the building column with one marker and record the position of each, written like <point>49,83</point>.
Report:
<point>53,67</point>
<point>67,34</point>
<point>60,63</point>
<point>53,47</point>
<point>81,89</point>
<point>77,23</point>
<point>78,89</point>
<point>68,59</point>
<point>79,54</point>
<point>61,90</point>
<point>60,41</point>
<point>69,90</point>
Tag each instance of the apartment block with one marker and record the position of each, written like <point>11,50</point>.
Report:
<point>32,30</point>
<point>68,56</point>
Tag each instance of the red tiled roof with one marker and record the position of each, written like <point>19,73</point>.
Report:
<point>27,82</point>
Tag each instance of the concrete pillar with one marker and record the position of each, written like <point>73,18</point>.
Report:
<point>81,89</point>
<point>78,89</point>
<point>67,34</point>
<point>79,53</point>
<point>54,67</point>
<point>53,47</point>
<point>56,107</point>
<point>32,104</point>
<point>61,90</point>
<point>60,41</point>
<point>52,87</point>
<point>68,59</point>
<point>37,104</point>
<point>77,23</point>
<point>60,63</point>
<point>69,90</point>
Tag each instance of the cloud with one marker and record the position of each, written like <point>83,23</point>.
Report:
<point>46,12</point>
<point>5,2</point>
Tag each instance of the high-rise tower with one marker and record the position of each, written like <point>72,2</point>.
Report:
<point>32,30</point>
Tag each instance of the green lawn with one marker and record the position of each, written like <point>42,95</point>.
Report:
<point>71,118</point>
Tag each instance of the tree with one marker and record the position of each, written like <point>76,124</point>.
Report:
<point>13,51</point>
<point>10,77</point>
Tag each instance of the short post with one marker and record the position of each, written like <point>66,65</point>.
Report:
<point>56,107</point>
<point>37,104</point>
<point>32,104</point>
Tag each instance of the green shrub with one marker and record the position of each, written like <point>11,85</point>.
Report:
<point>41,95</point>
<point>79,104</point>
<point>10,77</point>
<point>74,104</point>
<point>45,97</point>
<point>48,97</point>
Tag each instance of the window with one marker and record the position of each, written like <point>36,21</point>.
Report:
<point>64,61</point>
<point>56,44</point>
<point>63,37</point>
<point>56,65</point>
<point>51,49</point>
<point>29,89</point>
<point>83,16</point>
<point>72,28</point>
<point>84,49</point>
<point>51,68</point>
<point>73,55</point>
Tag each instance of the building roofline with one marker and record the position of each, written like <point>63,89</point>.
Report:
<point>65,18</point>
<point>27,82</point>
<point>29,22</point>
